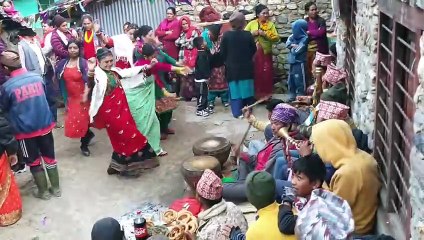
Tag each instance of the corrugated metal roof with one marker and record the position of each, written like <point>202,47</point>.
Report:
<point>141,12</point>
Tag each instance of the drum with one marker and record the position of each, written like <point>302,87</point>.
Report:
<point>217,147</point>
<point>193,168</point>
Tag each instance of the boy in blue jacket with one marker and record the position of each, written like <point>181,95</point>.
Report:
<point>297,43</point>
<point>23,98</point>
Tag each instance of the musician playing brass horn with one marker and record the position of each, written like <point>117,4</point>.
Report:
<point>275,157</point>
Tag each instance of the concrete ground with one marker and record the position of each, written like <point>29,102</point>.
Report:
<point>90,194</point>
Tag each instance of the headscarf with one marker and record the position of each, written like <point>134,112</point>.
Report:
<point>299,29</point>
<point>237,20</point>
<point>58,20</point>
<point>325,216</point>
<point>11,11</point>
<point>190,29</point>
<point>107,229</point>
<point>209,14</point>
<point>284,113</point>
<point>10,59</point>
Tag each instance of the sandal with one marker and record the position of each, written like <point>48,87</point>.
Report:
<point>162,153</point>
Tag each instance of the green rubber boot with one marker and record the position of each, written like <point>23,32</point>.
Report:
<point>42,188</point>
<point>54,180</point>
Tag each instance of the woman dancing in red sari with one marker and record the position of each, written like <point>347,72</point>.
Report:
<point>10,198</point>
<point>109,109</point>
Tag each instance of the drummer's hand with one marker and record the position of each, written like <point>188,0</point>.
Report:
<point>305,148</point>
<point>226,230</point>
<point>246,113</point>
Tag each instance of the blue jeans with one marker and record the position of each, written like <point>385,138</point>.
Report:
<point>297,80</point>
<point>280,167</point>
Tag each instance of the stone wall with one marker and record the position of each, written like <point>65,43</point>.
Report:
<point>366,67</point>
<point>283,13</point>
<point>364,106</point>
<point>417,156</point>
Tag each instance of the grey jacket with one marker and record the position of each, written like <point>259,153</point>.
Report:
<point>31,61</point>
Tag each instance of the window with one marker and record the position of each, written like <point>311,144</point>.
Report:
<point>396,84</point>
<point>351,46</point>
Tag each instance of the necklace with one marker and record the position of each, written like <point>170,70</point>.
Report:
<point>88,39</point>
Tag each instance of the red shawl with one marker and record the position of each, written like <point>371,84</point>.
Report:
<point>190,29</point>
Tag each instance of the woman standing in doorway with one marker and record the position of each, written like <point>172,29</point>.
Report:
<point>168,31</point>
<point>187,55</point>
<point>265,35</point>
<point>72,75</point>
<point>109,109</point>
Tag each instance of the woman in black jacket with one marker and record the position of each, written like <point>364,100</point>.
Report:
<point>237,50</point>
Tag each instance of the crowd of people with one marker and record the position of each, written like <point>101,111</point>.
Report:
<point>312,176</point>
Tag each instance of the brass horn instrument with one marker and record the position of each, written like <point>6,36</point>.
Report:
<point>283,132</point>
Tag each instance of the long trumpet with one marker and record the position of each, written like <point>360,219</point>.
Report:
<point>283,132</point>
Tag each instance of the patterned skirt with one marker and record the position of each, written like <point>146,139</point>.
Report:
<point>135,164</point>
<point>10,197</point>
<point>131,151</point>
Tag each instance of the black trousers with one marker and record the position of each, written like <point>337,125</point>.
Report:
<point>202,90</point>
<point>37,149</point>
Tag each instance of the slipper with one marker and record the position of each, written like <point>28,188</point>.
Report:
<point>162,153</point>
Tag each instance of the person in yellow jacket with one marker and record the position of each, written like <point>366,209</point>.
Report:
<point>265,34</point>
<point>356,179</point>
<point>261,194</point>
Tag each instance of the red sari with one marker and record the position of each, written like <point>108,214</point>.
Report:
<point>76,117</point>
<point>264,82</point>
<point>132,153</point>
<point>10,198</point>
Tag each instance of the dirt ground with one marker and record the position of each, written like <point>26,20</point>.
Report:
<point>90,194</point>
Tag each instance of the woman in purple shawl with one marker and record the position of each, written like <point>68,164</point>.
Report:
<point>168,31</point>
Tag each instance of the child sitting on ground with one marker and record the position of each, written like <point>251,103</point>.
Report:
<point>202,73</point>
<point>297,43</point>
